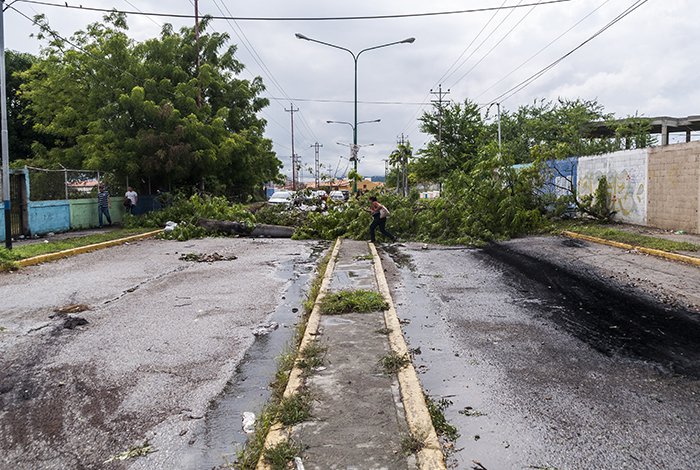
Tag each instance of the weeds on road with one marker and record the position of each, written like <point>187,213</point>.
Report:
<point>311,357</point>
<point>358,301</point>
<point>393,362</point>
<point>280,456</point>
<point>294,409</point>
<point>412,445</point>
<point>436,409</point>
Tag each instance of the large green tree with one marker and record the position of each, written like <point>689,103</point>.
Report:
<point>19,125</point>
<point>170,110</point>
<point>457,132</point>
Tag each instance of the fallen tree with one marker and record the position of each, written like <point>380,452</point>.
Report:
<point>237,228</point>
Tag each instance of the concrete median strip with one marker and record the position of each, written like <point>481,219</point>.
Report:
<point>84,249</point>
<point>649,251</point>
<point>418,419</point>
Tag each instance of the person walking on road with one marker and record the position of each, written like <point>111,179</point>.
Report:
<point>132,197</point>
<point>379,216</point>
<point>103,205</point>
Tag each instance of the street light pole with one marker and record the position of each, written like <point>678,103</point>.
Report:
<point>355,57</point>
<point>5,150</point>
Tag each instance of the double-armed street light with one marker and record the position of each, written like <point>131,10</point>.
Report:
<point>354,58</point>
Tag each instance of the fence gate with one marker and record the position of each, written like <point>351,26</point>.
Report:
<point>18,206</point>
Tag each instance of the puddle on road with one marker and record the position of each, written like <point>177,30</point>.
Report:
<point>250,390</point>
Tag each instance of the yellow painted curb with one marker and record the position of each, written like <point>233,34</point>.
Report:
<point>277,432</point>
<point>625,246</point>
<point>84,249</point>
<point>417,415</point>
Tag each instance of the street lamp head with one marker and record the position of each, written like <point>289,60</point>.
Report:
<point>301,36</point>
<point>407,41</point>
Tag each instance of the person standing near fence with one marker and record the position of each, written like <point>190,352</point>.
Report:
<point>103,205</point>
<point>133,197</point>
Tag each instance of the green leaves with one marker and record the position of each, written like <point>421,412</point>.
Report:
<point>146,111</point>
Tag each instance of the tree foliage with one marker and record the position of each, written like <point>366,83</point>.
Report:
<point>148,111</point>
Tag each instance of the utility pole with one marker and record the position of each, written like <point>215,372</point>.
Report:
<point>196,49</point>
<point>402,176</point>
<point>317,166</point>
<point>4,134</point>
<point>439,102</point>
<point>291,112</point>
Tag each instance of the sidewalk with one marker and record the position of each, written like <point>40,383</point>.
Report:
<point>361,418</point>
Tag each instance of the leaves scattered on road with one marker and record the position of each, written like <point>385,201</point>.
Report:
<point>137,451</point>
<point>206,258</point>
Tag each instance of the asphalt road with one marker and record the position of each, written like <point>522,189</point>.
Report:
<point>551,354</point>
<point>163,338</point>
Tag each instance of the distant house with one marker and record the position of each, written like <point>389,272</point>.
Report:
<point>84,186</point>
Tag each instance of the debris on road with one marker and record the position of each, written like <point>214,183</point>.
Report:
<point>71,308</point>
<point>137,451</point>
<point>265,328</point>
<point>72,321</point>
<point>206,258</point>
<point>248,422</point>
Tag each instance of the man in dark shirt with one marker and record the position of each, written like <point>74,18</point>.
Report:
<point>103,205</point>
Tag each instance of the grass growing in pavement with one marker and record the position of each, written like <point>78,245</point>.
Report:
<point>311,357</point>
<point>411,445</point>
<point>437,408</point>
<point>35,249</point>
<point>636,239</point>
<point>392,362</point>
<point>280,456</point>
<point>358,301</point>
<point>294,409</point>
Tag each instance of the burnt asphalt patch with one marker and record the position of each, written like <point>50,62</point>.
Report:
<point>611,317</point>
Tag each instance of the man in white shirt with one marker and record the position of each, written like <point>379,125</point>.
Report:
<point>133,198</point>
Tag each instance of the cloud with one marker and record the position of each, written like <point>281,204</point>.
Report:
<point>645,63</point>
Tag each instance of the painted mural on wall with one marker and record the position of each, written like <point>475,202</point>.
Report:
<point>626,172</point>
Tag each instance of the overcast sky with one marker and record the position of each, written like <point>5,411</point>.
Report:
<point>646,63</point>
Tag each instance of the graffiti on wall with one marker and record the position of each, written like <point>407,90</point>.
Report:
<point>627,179</point>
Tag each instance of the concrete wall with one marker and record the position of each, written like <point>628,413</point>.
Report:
<point>674,187</point>
<point>626,172</point>
<point>83,212</point>
<point>48,216</point>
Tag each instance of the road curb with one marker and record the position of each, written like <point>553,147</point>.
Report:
<point>625,246</point>
<point>277,432</point>
<point>417,415</point>
<point>83,249</point>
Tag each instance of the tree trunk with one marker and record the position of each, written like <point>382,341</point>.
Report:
<point>260,230</point>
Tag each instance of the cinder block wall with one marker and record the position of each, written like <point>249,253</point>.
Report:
<point>674,187</point>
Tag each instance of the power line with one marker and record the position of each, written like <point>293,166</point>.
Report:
<point>320,100</point>
<point>541,50</point>
<point>255,56</point>
<point>493,31</point>
<point>302,18</point>
<point>495,45</point>
<point>525,83</point>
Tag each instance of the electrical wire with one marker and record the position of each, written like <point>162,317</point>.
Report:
<point>541,50</point>
<point>494,46</point>
<point>302,18</point>
<point>528,81</point>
